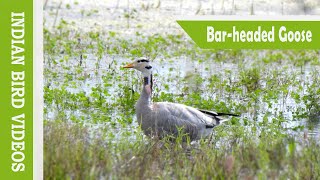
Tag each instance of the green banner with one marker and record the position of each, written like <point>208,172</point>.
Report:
<point>245,34</point>
<point>16,72</point>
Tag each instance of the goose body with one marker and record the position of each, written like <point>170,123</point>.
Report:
<point>160,119</point>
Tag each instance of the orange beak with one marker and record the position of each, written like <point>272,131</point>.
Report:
<point>128,65</point>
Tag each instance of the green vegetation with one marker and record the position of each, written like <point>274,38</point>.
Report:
<point>90,130</point>
<point>71,151</point>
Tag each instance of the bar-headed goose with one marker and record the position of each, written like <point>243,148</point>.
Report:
<point>165,118</point>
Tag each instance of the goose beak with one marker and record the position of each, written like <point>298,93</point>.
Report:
<point>129,65</point>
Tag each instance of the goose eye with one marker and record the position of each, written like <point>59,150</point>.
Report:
<point>148,67</point>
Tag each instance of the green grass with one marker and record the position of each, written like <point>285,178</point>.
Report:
<point>71,154</point>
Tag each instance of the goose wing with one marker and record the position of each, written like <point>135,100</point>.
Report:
<point>183,112</point>
<point>215,114</point>
<point>172,116</point>
<point>173,125</point>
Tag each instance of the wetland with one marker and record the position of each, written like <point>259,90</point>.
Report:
<point>90,128</point>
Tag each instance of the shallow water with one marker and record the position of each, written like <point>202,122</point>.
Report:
<point>185,70</point>
<point>150,19</point>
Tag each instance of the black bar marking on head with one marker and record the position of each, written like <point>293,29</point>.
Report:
<point>143,60</point>
<point>148,67</point>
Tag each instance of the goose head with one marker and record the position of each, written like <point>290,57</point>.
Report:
<point>142,65</point>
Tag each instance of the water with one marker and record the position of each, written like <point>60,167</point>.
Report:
<point>150,20</point>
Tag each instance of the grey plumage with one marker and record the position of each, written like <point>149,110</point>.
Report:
<point>164,118</point>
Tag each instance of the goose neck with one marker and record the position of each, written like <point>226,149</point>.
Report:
<point>146,93</point>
